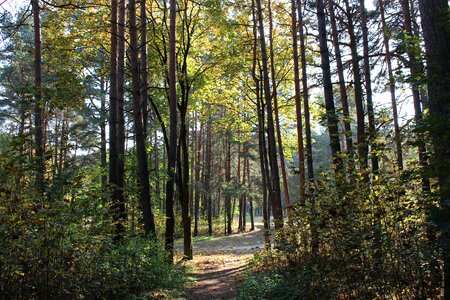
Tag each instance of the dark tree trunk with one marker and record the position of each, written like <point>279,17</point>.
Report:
<point>119,195</point>
<point>416,69</point>
<point>397,137</point>
<point>172,151</point>
<point>309,157</point>
<point>250,200</point>
<point>275,177</point>
<point>143,65</point>
<point>113,107</point>
<point>143,173</point>
<point>368,84</point>
<point>298,108</point>
<point>197,179</point>
<point>277,121</point>
<point>229,219</point>
<point>360,129</point>
<point>341,77</point>
<point>208,177</point>
<point>103,154</point>
<point>435,24</point>
<point>332,121</point>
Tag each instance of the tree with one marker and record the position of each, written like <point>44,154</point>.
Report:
<point>141,151</point>
<point>435,24</point>
<point>275,178</point>
<point>172,147</point>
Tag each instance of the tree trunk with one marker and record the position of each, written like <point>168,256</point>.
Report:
<point>277,121</point>
<point>113,99</point>
<point>172,151</point>
<point>368,84</point>
<point>397,137</point>
<point>332,121</point>
<point>197,179</point>
<point>208,176</point>
<point>360,129</point>
<point>416,69</point>
<point>141,152</point>
<point>298,108</point>
<point>229,219</point>
<point>435,20</point>
<point>120,128</point>
<point>275,177</point>
<point>341,77</point>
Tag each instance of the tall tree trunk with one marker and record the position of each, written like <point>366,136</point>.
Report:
<point>368,84</point>
<point>341,77</point>
<point>360,129</point>
<point>197,179</point>
<point>309,157</point>
<point>172,151</point>
<point>103,155</point>
<point>229,219</point>
<point>416,69</point>
<point>298,108</point>
<point>120,142</point>
<point>39,103</point>
<point>435,24</point>
<point>143,65</point>
<point>208,159</point>
<point>332,121</point>
<point>143,173</point>
<point>397,137</point>
<point>113,99</point>
<point>250,200</point>
<point>275,177</point>
<point>277,122</point>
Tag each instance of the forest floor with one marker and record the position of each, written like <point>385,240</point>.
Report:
<point>218,263</point>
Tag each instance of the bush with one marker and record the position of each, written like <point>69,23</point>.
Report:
<point>353,244</point>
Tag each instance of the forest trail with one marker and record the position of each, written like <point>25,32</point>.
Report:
<point>218,263</point>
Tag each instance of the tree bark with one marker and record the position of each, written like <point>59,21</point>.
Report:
<point>435,24</point>
<point>141,152</point>
<point>275,177</point>
<point>172,151</point>
<point>360,129</point>
<point>341,77</point>
<point>397,137</point>
<point>332,121</point>
<point>368,84</point>
<point>298,109</point>
<point>119,195</point>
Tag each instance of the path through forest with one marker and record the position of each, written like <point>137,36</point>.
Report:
<point>218,263</point>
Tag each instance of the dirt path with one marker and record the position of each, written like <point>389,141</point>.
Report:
<point>218,263</point>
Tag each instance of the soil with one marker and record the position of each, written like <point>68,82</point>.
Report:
<point>218,264</point>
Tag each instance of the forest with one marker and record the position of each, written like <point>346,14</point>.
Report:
<point>234,149</point>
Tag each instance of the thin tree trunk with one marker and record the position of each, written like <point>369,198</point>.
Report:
<point>397,137</point>
<point>113,99</point>
<point>103,161</point>
<point>197,179</point>
<point>368,84</point>
<point>143,65</point>
<point>39,103</point>
<point>208,176</point>
<point>143,173</point>
<point>298,108</point>
<point>120,142</point>
<point>416,69</point>
<point>360,129</point>
<point>229,220</point>
<point>309,157</point>
<point>332,121</point>
<point>252,219</point>
<point>172,151</point>
<point>341,77</point>
<point>277,121</point>
<point>275,177</point>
